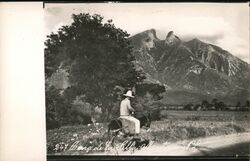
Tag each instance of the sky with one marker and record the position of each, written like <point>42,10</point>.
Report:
<point>224,25</point>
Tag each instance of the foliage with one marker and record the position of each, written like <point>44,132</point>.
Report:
<point>97,57</point>
<point>206,105</point>
<point>221,106</point>
<point>59,110</point>
<point>53,100</point>
<point>238,105</point>
<point>197,106</point>
<point>148,96</point>
<point>154,89</point>
<point>189,106</point>
<point>247,103</point>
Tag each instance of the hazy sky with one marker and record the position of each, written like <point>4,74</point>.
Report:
<point>225,25</point>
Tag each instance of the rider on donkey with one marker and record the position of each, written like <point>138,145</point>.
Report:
<point>126,109</point>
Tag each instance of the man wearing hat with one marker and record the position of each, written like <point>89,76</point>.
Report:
<point>126,109</point>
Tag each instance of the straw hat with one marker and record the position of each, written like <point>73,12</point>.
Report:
<point>129,94</point>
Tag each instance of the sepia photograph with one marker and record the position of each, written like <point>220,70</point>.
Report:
<point>147,79</point>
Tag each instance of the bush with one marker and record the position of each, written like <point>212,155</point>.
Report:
<point>236,128</point>
<point>164,114</point>
<point>52,124</point>
<point>193,118</point>
<point>197,106</point>
<point>155,114</point>
<point>189,107</point>
<point>80,118</point>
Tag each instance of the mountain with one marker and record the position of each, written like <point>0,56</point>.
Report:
<point>191,70</point>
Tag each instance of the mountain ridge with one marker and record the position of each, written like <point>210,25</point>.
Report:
<point>189,65</point>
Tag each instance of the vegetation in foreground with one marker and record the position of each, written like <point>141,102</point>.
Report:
<point>84,139</point>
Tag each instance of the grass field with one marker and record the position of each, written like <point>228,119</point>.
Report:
<point>206,115</point>
<point>174,126</point>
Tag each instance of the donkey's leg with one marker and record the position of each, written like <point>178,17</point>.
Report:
<point>113,139</point>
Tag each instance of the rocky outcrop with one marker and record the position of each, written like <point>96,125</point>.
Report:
<point>171,39</point>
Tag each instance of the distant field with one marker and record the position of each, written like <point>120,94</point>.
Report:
<point>206,115</point>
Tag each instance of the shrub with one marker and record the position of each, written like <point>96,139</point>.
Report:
<point>155,114</point>
<point>189,107</point>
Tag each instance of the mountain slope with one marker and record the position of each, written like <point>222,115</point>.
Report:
<point>193,66</point>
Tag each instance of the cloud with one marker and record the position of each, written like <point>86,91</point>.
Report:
<point>235,44</point>
<point>213,39</point>
<point>215,24</point>
<point>216,31</point>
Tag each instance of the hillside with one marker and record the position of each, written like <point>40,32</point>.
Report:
<point>194,70</point>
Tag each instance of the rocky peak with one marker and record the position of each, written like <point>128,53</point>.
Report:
<point>148,39</point>
<point>145,39</point>
<point>151,33</point>
<point>171,38</point>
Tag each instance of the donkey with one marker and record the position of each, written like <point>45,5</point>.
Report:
<point>115,125</point>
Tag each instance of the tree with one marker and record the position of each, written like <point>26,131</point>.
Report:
<point>189,106</point>
<point>215,103</point>
<point>222,106</point>
<point>197,106</point>
<point>238,105</point>
<point>54,105</point>
<point>147,99</point>
<point>147,95</point>
<point>204,104</point>
<point>154,89</point>
<point>247,106</point>
<point>247,103</point>
<point>97,57</point>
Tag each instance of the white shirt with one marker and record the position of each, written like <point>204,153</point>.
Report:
<point>125,107</point>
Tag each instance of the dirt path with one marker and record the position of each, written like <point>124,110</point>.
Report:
<point>234,144</point>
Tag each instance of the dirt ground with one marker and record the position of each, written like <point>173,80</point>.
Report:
<point>225,145</point>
